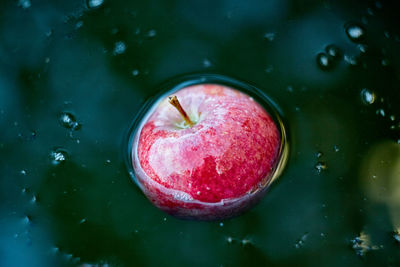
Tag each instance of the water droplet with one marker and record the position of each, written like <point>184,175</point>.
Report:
<point>24,3</point>
<point>151,34</point>
<point>385,62</point>
<point>370,12</point>
<point>68,256</point>
<point>164,219</point>
<point>229,239</point>
<point>269,69</point>
<point>119,48</point>
<point>355,32</point>
<point>363,48</point>
<point>319,154</point>
<point>324,61</point>
<point>26,220</point>
<point>357,246</point>
<point>396,236</point>
<point>392,117</point>
<point>49,33</point>
<point>182,196</point>
<point>79,24</point>
<point>367,96</point>
<point>290,88</point>
<point>361,244</point>
<point>246,242</point>
<point>301,241</point>
<point>32,136</point>
<point>58,156</point>
<point>135,72</point>
<point>99,264</point>
<point>387,34</point>
<point>93,4</point>
<point>320,166</point>
<point>114,30</point>
<point>206,63</point>
<point>69,121</point>
<point>336,148</point>
<point>82,221</point>
<point>33,199</point>
<point>333,51</point>
<point>221,224</point>
<point>270,36</point>
<point>23,172</point>
<point>351,60</point>
<point>380,112</point>
<point>108,161</point>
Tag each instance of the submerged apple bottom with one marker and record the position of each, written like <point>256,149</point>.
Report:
<point>182,205</point>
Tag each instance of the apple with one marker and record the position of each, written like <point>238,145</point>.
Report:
<point>207,152</point>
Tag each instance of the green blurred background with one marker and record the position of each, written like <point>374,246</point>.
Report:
<point>73,74</point>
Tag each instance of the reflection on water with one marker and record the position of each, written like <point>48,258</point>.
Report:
<point>380,177</point>
<point>362,244</point>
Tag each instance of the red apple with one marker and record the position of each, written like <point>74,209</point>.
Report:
<point>206,153</point>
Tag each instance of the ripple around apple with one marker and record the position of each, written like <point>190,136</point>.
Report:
<point>186,204</point>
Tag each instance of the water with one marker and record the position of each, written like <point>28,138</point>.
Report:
<point>88,212</point>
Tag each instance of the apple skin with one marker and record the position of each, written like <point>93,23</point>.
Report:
<point>217,168</point>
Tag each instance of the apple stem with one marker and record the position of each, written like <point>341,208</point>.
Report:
<point>173,100</point>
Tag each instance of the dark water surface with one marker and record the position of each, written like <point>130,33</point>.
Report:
<point>73,75</point>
